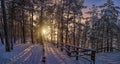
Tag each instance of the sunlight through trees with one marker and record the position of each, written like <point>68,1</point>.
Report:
<point>62,23</point>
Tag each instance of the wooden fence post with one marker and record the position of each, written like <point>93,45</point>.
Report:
<point>93,57</point>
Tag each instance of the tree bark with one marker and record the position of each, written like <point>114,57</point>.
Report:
<point>7,45</point>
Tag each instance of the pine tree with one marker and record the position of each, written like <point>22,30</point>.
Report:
<point>109,16</point>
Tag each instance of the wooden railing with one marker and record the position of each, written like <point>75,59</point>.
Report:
<point>78,51</point>
<point>74,51</point>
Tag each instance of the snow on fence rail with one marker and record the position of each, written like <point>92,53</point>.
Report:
<point>75,51</point>
<point>85,53</point>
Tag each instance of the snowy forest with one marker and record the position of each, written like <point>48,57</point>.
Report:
<point>59,32</point>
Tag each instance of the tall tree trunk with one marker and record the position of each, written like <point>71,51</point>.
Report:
<point>15,32</point>
<point>68,12</point>
<point>23,26</point>
<point>32,29</point>
<point>61,29</point>
<point>1,36</point>
<point>7,45</point>
<point>41,23</point>
<point>11,24</point>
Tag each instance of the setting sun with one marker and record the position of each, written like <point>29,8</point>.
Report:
<point>44,31</point>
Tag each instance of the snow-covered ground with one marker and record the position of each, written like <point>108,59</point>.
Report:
<point>22,54</point>
<point>108,58</point>
<point>32,54</point>
<point>55,56</point>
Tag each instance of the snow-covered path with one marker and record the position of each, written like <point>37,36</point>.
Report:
<point>55,56</point>
<point>23,54</point>
<point>32,54</point>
